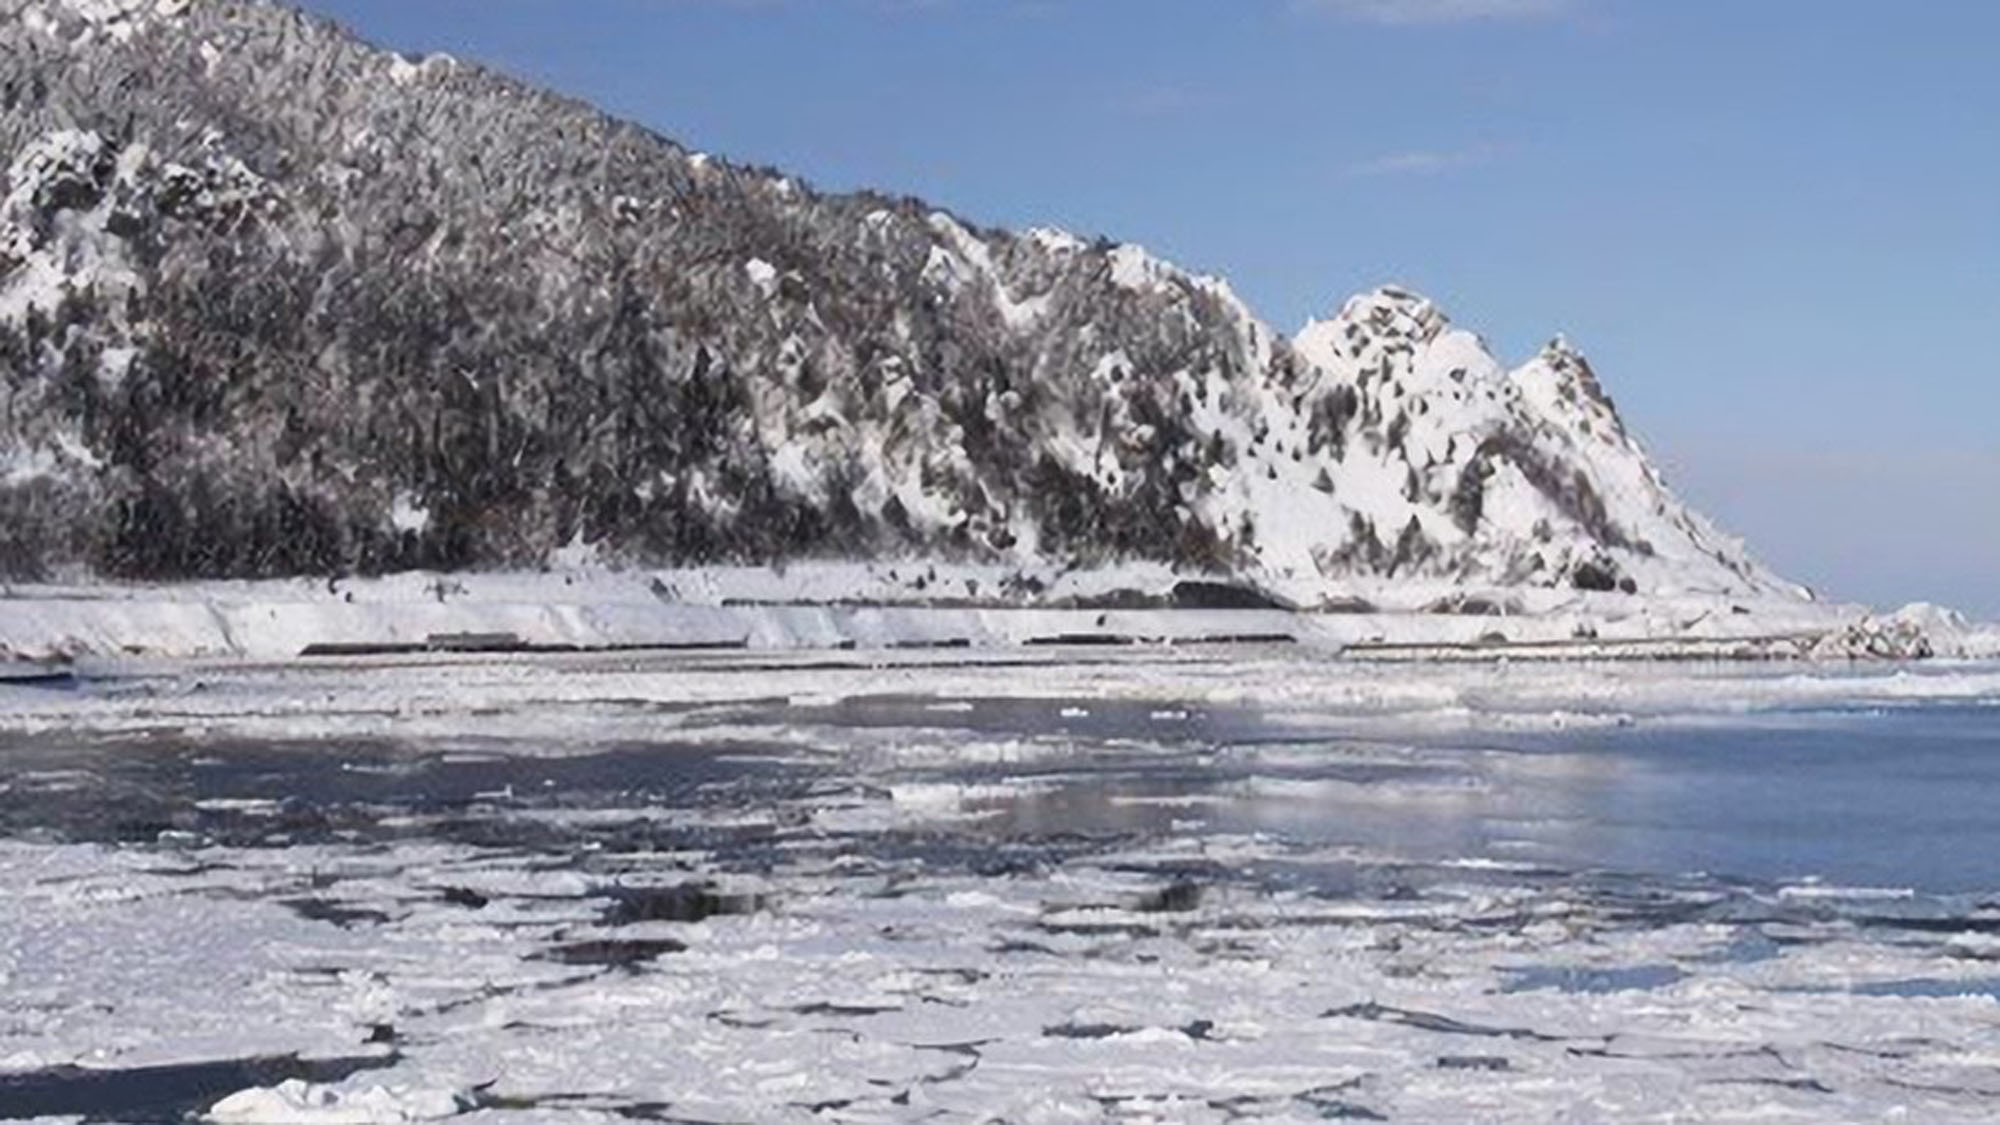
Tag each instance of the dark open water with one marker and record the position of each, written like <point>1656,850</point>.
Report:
<point>1907,797</point>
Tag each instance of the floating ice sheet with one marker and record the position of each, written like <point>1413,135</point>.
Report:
<point>579,892</point>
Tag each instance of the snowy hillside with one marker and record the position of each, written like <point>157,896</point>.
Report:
<point>275,303</point>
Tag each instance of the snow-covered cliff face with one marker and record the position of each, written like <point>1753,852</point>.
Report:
<point>274,302</point>
<point>1522,476</point>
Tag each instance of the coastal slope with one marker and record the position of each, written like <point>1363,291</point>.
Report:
<point>276,303</point>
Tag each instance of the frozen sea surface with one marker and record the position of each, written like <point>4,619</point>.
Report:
<point>573,891</point>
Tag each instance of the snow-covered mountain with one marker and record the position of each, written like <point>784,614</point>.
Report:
<point>274,302</point>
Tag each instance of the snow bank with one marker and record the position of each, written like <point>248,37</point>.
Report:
<point>909,605</point>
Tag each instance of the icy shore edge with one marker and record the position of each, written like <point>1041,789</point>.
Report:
<point>920,605</point>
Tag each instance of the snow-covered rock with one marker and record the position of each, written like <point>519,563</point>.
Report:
<point>1918,631</point>
<point>1525,476</point>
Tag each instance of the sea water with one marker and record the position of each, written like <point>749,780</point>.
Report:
<point>1009,905</point>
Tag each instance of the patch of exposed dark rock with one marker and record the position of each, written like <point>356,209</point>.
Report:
<point>1601,575</point>
<point>162,1095</point>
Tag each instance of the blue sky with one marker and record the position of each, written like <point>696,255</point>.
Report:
<point>1773,225</point>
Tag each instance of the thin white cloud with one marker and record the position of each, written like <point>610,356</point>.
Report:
<point>1439,11</point>
<point>1423,162</point>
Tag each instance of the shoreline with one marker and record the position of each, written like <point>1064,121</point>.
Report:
<point>897,607</point>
